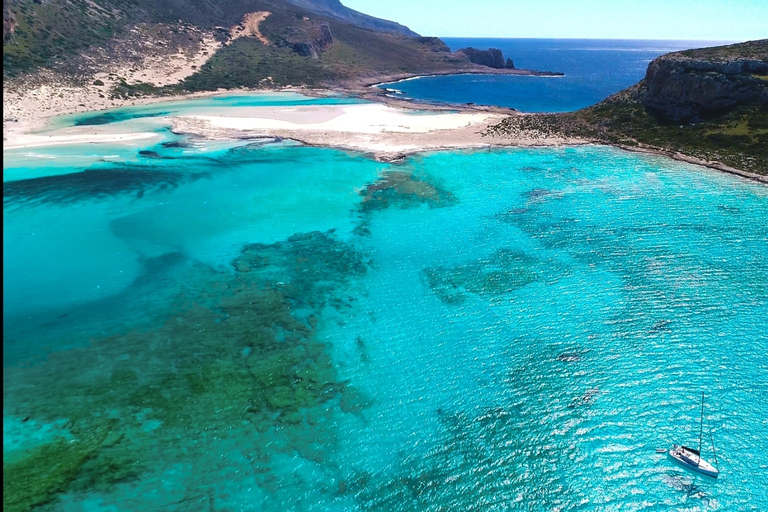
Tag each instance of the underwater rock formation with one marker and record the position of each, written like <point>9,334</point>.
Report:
<point>404,190</point>
<point>234,363</point>
<point>400,189</point>
<point>503,272</point>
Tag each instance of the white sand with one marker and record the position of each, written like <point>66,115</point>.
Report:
<point>29,107</point>
<point>375,128</point>
<point>366,118</point>
<point>249,27</point>
<point>35,141</point>
<point>382,130</point>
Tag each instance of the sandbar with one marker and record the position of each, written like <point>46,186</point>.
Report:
<point>385,131</point>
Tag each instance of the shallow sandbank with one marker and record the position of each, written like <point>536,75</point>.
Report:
<point>377,129</point>
<point>387,129</point>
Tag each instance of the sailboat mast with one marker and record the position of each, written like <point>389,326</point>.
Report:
<point>701,428</point>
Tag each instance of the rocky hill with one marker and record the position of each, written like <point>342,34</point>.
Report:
<point>710,104</point>
<point>335,9</point>
<point>229,43</point>
<point>701,84</point>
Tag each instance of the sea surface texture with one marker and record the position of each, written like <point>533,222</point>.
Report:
<point>264,326</point>
<point>594,69</point>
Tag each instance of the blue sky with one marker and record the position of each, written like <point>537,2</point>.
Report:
<point>720,20</point>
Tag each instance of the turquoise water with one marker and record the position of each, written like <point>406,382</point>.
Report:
<point>200,106</point>
<point>261,325</point>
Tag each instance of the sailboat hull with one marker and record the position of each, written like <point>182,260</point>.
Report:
<point>691,459</point>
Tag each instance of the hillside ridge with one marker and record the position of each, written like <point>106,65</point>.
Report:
<point>335,9</point>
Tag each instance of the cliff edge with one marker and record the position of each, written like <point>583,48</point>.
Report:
<point>695,85</point>
<point>708,105</point>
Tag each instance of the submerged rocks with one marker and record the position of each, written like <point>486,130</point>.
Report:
<point>569,357</point>
<point>503,272</point>
<point>237,358</point>
<point>586,399</point>
<point>403,189</point>
<point>305,268</point>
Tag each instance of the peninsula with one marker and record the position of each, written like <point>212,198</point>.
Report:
<point>70,57</point>
<point>707,106</point>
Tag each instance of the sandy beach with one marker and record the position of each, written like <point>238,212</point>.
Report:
<point>384,130</point>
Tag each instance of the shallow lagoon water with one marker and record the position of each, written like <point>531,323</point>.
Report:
<point>204,105</point>
<point>266,326</point>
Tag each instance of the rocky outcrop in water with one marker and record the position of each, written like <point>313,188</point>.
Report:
<point>695,85</point>
<point>492,57</point>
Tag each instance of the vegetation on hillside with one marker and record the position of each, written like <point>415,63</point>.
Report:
<point>736,136</point>
<point>355,52</point>
<point>61,35</point>
<point>737,139</point>
<point>747,50</point>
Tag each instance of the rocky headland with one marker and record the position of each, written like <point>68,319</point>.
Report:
<point>492,57</point>
<point>707,106</point>
<point>695,85</point>
<point>77,56</point>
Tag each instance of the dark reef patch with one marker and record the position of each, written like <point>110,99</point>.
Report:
<point>587,398</point>
<point>570,357</point>
<point>501,273</point>
<point>234,365</point>
<point>176,144</point>
<point>400,189</point>
<point>94,184</point>
<point>114,117</point>
<point>403,189</point>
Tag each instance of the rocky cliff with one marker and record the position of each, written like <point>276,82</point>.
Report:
<point>709,104</point>
<point>696,85</point>
<point>308,41</point>
<point>492,57</point>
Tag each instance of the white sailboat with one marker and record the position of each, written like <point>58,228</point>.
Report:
<point>690,458</point>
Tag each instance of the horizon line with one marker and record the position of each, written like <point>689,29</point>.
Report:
<point>602,38</point>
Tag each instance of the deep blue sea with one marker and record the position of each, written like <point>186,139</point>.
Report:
<point>258,325</point>
<point>594,69</point>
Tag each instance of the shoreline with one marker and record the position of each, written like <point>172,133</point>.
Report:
<point>680,157</point>
<point>489,71</point>
<point>387,143</point>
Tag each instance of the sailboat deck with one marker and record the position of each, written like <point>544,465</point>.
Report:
<point>692,460</point>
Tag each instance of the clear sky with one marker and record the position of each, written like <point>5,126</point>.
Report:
<point>720,20</point>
